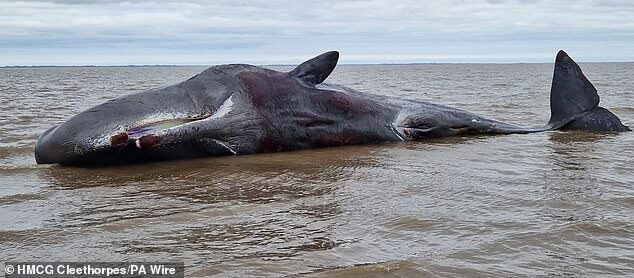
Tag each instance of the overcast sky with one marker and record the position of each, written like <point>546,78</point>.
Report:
<point>80,32</point>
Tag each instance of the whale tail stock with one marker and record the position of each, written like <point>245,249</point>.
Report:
<point>574,102</point>
<point>574,105</point>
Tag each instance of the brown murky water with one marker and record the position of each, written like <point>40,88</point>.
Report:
<point>553,204</point>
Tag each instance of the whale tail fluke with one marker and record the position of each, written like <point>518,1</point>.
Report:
<point>574,102</point>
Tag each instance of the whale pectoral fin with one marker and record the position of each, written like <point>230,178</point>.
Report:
<point>316,70</point>
<point>213,146</point>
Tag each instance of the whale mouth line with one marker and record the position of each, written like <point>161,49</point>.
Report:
<point>149,134</point>
<point>154,127</point>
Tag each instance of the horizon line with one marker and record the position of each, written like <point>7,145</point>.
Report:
<point>339,64</point>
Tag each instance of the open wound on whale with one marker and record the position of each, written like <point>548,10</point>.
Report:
<point>147,135</point>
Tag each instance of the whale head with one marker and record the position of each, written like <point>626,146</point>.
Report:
<point>123,129</point>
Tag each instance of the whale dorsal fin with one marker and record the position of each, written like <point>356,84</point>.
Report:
<point>571,93</point>
<point>317,69</point>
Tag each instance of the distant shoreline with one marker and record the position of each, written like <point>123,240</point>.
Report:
<point>290,65</point>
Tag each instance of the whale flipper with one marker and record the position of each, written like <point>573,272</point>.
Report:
<point>574,102</point>
<point>316,70</point>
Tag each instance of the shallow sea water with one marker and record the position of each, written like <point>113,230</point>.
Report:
<point>545,204</point>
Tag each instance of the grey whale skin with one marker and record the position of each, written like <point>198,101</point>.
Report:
<point>243,109</point>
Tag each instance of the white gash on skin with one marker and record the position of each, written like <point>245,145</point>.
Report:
<point>163,123</point>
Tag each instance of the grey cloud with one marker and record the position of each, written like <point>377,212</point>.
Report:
<point>279,29</point>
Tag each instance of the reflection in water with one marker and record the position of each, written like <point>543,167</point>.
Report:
<point>574,191</point>
<point>572,148</point>
<point>572,177</point>
<point>576,136</point>
<point>253,178</point>
<point>271,205</point>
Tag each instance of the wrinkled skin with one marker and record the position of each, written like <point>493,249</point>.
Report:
<point>244,109</point>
